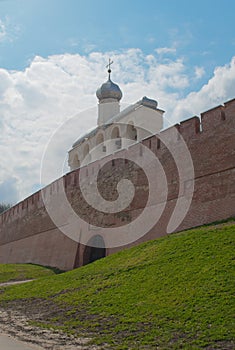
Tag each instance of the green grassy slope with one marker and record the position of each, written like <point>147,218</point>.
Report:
<point>21,272</point>
<point>172,293</point>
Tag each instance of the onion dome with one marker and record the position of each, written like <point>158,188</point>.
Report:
<point>109,90</point>
<point>148,102</point>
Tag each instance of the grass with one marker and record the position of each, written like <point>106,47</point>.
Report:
<point>21,272</point>
<point>172,293</point>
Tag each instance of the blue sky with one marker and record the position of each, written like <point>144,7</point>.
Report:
<point>201,30</point>
<point>53,55</point>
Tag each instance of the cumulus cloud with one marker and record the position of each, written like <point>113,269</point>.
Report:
<point>37,101</point>
<point>217,90</point>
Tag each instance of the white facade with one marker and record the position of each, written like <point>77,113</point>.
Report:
<point>115,130</point>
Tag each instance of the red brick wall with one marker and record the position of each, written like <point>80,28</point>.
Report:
<point>27,234</point>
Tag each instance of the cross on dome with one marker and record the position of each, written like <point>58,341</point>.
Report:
<point>109,66</point>
<point>109,90</point>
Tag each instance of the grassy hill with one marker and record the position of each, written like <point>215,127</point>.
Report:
<point>21,272</point>
<point>172,293</point>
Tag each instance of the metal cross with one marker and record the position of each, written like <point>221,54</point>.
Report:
<point>109,65</point>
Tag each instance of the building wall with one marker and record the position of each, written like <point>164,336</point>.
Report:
<point>27,234</point>
<point>146,118</point>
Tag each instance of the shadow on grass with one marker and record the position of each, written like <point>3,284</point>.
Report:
<point>54,269</point>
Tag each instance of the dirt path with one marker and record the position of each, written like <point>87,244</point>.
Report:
<point>16,333</point>
<point>16,325</point>
<point>5,284</point>
<point>8,343</point>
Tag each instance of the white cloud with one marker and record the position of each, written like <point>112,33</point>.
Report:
<point>217,90</point>
<point>89,47</point>
<point>199,72</point>
<point>9,31</point>
<point>36,101</point>
<point>3,32</point>
<point>73,42</point>
<point>165,50</point>
<point>8,190</point>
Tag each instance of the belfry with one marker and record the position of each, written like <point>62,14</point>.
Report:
<point>115,129</point>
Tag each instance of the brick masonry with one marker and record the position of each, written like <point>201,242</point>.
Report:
<point>27,234</point>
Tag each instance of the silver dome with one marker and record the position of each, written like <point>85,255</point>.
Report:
<point>109,90</point>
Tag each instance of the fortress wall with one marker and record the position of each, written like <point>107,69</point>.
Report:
<point>25,219</point>
<point>27,234</point>
<point>51,248</point>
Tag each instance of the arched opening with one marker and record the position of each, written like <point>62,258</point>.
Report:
<point>100,141</point>
<point>94,250</point>
<point>115,134</point>
<point>131,132</point>
<point>99,138</point>
<point>76,162</point>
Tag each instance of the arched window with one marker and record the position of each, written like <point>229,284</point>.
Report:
<point>99,138</point>
<point>115,134</point>
<point>131,132</point>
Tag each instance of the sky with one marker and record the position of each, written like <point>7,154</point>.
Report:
<point>53,55</point>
